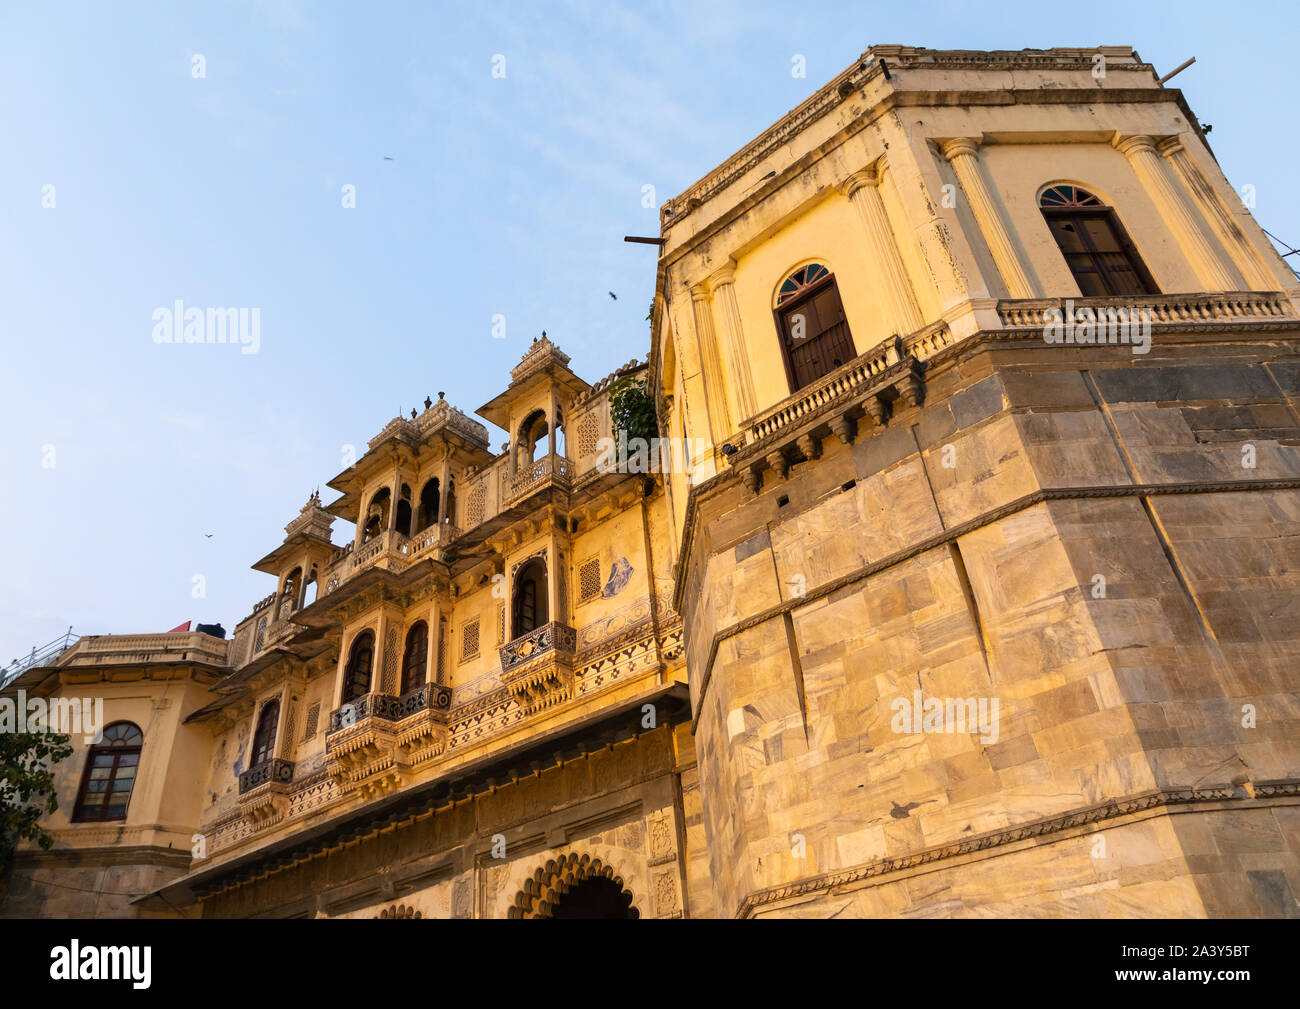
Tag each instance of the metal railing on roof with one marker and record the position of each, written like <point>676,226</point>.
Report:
<point>41,656</point>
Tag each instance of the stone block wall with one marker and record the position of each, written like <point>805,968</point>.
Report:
<point>1071,533</point>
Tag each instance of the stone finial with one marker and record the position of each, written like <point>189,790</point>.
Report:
<point>428,402</point>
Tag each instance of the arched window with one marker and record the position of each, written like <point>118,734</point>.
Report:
<point>356,678</point>
<point>415,660</point>
<point>403,517</point>
<point>309,593</point>
<point>532,432</point>
<point>451,501</point>
<point>264,737</point>
<point>815,338</point>
<point>429,504</point>
<point>1094,243</point>
<point>561,443</point>
<point>529,610</point>
<point>289,597</point>
<point>376,520</point>
<point>110,774</point>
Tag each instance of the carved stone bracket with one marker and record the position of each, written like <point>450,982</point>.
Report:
<point>844,428</point>
<point>810,446</point>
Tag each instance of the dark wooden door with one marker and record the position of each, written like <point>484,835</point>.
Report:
<point>815,334</point>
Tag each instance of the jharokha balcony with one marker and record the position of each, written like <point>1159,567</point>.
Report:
<point>264,790</point>
<point>374,742</point>
<point>537,668</point>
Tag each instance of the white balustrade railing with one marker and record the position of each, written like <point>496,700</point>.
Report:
<point>838,384</point>
<point>1226,306</point>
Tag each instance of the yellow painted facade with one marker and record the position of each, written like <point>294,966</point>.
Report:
<point>914,501</point>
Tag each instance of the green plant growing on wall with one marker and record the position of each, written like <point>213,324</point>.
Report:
<point>632,409</point>
<point>27,788</point>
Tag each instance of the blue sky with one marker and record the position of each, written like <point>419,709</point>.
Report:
<point>504,196</point>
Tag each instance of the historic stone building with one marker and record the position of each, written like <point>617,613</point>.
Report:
<point>980,594</point>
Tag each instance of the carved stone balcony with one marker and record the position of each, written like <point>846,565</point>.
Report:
<point>375,742</point>
<point>427,540</point>
<point>264,792</point>
<point>537,668</point>
<point>550,469</point>
<point>390,551</point>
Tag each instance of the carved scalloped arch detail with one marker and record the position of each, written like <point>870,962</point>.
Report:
<point>550,882</point>
<point>399,911</point>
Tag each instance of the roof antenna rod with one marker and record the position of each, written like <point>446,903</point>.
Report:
<point>1176,70</point>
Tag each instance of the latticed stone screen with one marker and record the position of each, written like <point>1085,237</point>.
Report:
<point>588,434</point>
<point>469,640</point>
<point>474,510</point>
<point>588,579</point>
<point>313,720</point>
<point>389,683</point>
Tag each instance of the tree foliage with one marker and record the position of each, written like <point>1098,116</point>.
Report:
<point>633,409</point>
<point>27,788</point>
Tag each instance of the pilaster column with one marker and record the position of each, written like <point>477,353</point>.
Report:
<point>393,498</point>
<point>1211,204</point>
<point>962,155</point>
<point>714,382</point>
<point>728,310</point>
<point>345,649</point>
<point>554,582</point>
<point>863,190</point>
<point>550,421</point>
<point>431,643</point>
<point>444,489</point>
<point>1178,216</point>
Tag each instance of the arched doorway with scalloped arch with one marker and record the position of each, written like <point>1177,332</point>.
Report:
<point>574,886</point>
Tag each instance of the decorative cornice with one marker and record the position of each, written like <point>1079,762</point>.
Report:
<point>905,58</point>
<point>760,147</point>
<point>539,354</point>
<point>1109,810</point>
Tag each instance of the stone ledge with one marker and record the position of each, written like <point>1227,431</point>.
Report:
<point>866,874</point>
